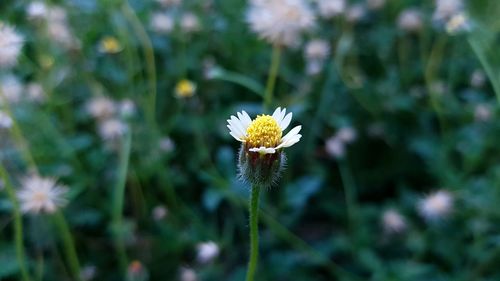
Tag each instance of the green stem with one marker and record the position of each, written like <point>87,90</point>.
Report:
<point>68,244</point>
<point>254,232</point>
<point>350,195</point>
<point>18,225</point>
<point>118,201</point>
<point>271,79</point>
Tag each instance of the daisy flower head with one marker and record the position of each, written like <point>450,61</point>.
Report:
<point>41,195</point>
<point>261,158</point>
<point>393,222</point>
<point>436,206</point>
<point>280,22</point>
<point>11,44</point>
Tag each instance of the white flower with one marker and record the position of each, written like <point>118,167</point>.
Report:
<point>355,13</point>
<point>393,222</point>
<point>410,20</point>
<point>127,108</point>
<point>36,10</point>
<point>482,113</point>
<point>5,120</point>
<point>58,28</point>
<point>188,274</point>
<point>317,49</point>
<point>159,212</point>
<point>314,67</point>
<point>166,144</point>
<point>11,44</point>
<point>162,23</point>
<point>331,8</point>
<point>35,92</point>
<point>88,272</point>
<point>347,134</point>
<point>436,205</point>
<point>458,23</point>
<point>112,129</point>
<point>41,195</point>
<point>477,78</point>
<point>190,23</point>
<point>375,4</point>
<point>264,133</point>
<point>10,89</point>
<point>445,9</point>
<point>280,22</point>
<point>335,147</point>
<point>207,251</point>
<point>101,107</point>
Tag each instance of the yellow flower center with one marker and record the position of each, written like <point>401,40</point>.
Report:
<point>263,131</point>
<point>185,88</point>
<point>110,45</point>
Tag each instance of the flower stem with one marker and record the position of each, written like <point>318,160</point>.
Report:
<point>254,232</point>
<point>350,196</point>
<point>271,79</point>
<point>118,201</point>
<point>68,244</point>
<point>18,225</point>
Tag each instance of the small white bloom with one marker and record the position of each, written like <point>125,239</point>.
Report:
<point>159,212</point>
<point>207,251</point>
<point>355,13</point>
<point>445,9</point>
<point>436,206</point>
<point>280,22</point>
<point>36,10</point>
<point>375,4</point>
<point>331,8</point>
<point>482,113</point>
<point>11,89</point>
<point>112,129</point>
<point>477,78</point>
<point>41,195</point>
<point>5,120</point>
<point>264,133</point>
<point>166,144</point>
<point>190,23</point>
<point>458,23</point>
<point>335,147</point>
<point>188,274</point>
<point>88,272</point>
<point>317,50</point>
<point>393,222</point>
<point>410,20</point>
<point>101,107</point>
<point>314,67</point>
<point>127,108</point>
<point>162,23</point>
<point>35,92</point>
<point>347,134</point>
<point>11,44</point>
<point>58,28</point>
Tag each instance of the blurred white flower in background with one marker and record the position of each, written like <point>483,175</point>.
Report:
<point>159,212</point>
<point>315,53</point>
<point>355,13</point>
<point>482,113</point>
<point>58,28</point>
<point>11,89</point>
<point>36,10</point>
<point>101,107</point>
<point>88,272</point>
<point>280,22</point>
<point>162,23</point>
<point>375,4</point>
<point>410,20</point>
<point>445,9</point>
<point>5,120</point>
<point>436,206</point>
<point>127,108</point>
<point>331,8</point>
<point>347,134</point>
<point>458,23</point>
<point>166,144</point>
<point>190,23</point>
<point>112,129</point>
<point>393,222</point>
<point>35,93</point>
<point>207,251</point>
<point>188,274</point>
<point>41,195</point>
<point>11,44</point>
<point>336,145</point>
<point>477,78</point>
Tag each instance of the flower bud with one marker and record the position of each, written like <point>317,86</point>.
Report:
<point>260,169</point>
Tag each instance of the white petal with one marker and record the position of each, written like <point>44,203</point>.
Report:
<point>237,126</point>
<point>277,113</point>
<point>245,119</point>
<point>233,129</point>
<point>290,141</point>
<point>236,136</point>
<point>292,133</point>
<point>263,150</point>
<point>286,121</point>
